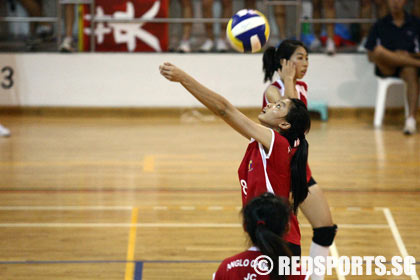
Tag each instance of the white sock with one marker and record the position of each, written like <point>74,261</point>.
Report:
<point>318,250</point>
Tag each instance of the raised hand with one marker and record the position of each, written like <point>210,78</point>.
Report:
<point>288,70</point>
<point>171,72</point>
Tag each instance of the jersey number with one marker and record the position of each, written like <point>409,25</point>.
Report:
<point>244,186</point>
<point>7,81</point>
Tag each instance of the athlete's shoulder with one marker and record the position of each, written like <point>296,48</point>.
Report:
<point>303,84</point>
<point>277,83</point>
<point>280,138</point>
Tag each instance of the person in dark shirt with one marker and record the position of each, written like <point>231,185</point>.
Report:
<point>393,45</point>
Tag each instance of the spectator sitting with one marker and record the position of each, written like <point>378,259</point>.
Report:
<point>393,45</point>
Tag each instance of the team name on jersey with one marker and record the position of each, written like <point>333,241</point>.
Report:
<point>240,263</point>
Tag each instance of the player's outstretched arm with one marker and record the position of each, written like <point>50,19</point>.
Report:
<point>219,105</point>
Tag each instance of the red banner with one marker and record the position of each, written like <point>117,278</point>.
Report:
<point>127,37</point>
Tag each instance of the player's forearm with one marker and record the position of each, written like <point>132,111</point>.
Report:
<point>215,102</point>
<point>289,88</point>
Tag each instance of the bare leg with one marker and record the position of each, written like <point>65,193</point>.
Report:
<point>69,17</point>
<point>365,12</point>
<point>187,12</point>
<point>34,10</point>
<point>316,209</point>
<point>329,8</point>
<point>208,13</point>
<point>227,13</point>
<point>410,76</point>
<point>383,56</point>
<point>316,14</point>
<point>250,4</point>
<point>280,16</point>
<point>416,10</point>
<point>381,8</point>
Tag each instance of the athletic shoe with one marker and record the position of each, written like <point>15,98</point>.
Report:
<point>315,45</point>
<point>361,48</point>
<point>4,132</point>
<point>221,45</point>
<point>184,47</point>
<point>410,126</point>
<point>330,47</point>
<point>67,45</point>
<point>207,46</point>
<point>44,31</point>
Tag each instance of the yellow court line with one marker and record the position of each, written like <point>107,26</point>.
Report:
<point>129,267</point>
<point>149,164</point>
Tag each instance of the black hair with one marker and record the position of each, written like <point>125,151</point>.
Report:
<point>272,56</point>
<point>300,123</point>
<point>266,219</point>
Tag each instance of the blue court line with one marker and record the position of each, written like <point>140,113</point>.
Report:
<point>138,271</point>
<point>108,261</point>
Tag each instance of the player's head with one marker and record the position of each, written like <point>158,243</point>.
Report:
<point>292,50</point>
<point>290,118</point>
<point>266,219</point>
<point>288,114</point>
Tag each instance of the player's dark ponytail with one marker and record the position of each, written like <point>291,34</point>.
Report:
<point>270,63</point>
<point>300,123</point>
<point>273,56</point>
<point>266,219</point>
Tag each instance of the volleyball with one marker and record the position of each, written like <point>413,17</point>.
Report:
<point>248,31</point>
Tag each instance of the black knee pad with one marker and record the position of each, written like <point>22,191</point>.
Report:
<point>324,236</point>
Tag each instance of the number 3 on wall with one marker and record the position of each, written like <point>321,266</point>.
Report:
<point>7,79</point>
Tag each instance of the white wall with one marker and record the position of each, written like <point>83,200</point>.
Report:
<point>133,80</point>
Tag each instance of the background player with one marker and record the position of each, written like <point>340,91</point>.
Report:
<point>290,60</point>
<point>265,220</point>
<point>276,160</point>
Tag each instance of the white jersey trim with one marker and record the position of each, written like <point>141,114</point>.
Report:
<point>264,158</point>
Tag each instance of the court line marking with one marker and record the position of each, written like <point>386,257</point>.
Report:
<point>69,208</point>
<point>215,208</point>
<point>334,253</point>
<point>187,208</point>
<point>129,267</point>
<point>138,272</point>
<point>159,208</point>
<point>165,225</point>
<point>118,261</point>
<point>397,237</point>
<point>165,207</point>
<point>149,164</point>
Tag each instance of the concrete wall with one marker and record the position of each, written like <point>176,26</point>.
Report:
<point>133,80</point>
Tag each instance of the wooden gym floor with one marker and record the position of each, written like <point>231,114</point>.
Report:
<point>158,198</point>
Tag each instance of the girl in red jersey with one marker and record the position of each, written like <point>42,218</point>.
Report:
<point>290,60</point>
<point>276,158</point>
<point>265,220</point>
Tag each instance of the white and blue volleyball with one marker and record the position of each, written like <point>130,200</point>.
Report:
<point>248,31</point>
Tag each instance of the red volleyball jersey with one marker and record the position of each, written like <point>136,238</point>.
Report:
<point>241,267</point>
<point>262,171</point>
<point>301,89</point>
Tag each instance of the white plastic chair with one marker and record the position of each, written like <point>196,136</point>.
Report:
<point>383,86</point>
